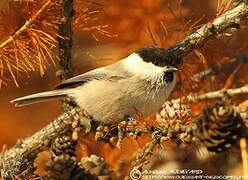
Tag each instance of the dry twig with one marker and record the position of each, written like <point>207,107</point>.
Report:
<point>226,67</point>
<point>65,40</point>
<point>244,155</point>
<point>214,94</point>
<point>27,24</point>
<point>229,20</point>
<point>27,47</point>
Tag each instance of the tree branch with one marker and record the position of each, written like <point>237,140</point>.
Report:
<point>20,157</point>
<point>230,19</point>
<point>27,24</point>
<point>244,155</point>
<point>63,164</point>
<point>18,160</point>
<point>65,40</point>
<point>214,94</point>
<point>214,69</point>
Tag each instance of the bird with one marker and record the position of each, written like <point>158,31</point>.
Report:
<point>140,82</point>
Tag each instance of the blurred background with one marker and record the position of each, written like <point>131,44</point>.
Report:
<point>104,32</point>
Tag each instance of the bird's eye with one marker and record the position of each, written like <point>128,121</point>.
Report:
<point>168,76</point>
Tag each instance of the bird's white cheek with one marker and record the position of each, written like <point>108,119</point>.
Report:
<point>134,64</point>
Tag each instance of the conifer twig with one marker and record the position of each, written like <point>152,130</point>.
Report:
<point>244,155</point>
<point>27,24</point>
<point>229,20</point>
<point>215,69</point>
<point>65,39</point>
<point>214,94</point>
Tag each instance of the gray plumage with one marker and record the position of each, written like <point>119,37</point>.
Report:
<point>109,94</point>
<point>40,97</point>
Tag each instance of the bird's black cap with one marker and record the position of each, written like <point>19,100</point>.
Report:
<point>158,56</point>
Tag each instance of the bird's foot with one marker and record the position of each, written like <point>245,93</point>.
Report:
<point>123,129</point>
<point>80,121</point>
<point>115,134</point>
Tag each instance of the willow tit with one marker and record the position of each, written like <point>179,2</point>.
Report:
<point>139,83</point>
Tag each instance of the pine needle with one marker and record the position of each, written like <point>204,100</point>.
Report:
<point>27,24</point>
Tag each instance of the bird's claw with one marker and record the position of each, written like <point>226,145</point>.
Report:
<point>123,128</point>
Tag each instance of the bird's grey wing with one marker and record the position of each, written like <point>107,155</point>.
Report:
<point>111,73</point>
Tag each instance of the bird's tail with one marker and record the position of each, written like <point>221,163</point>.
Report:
<point>40,97</point>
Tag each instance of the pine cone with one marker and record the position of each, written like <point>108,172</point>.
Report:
<point>64,167</point>
<point>96,166</point>
<point>64,144</point>
<point>175,119</point>
<point>219,127</point>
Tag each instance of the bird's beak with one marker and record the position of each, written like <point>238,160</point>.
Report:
<point>171,69</point>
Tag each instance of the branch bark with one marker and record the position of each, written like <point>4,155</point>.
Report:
<point>63,164</point>
<point>226,67</point>
<point>230,19</point>
<point>214,94</point>
<point>16,161</point>
<point>65,40</point>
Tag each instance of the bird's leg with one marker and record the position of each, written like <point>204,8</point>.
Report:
<point>121,132</point>
<point>81,121</point>
<point>123,129</point>
<point>114,134</point>
<point>75,129</point>
<point>102,132</point>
